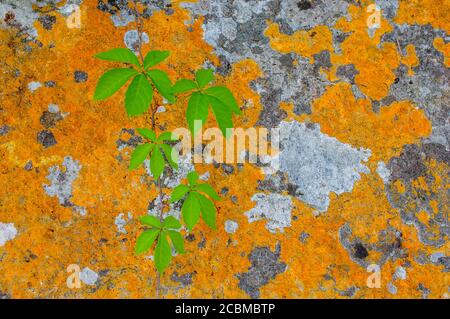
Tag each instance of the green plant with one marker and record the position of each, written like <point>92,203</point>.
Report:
<point>146,80</point>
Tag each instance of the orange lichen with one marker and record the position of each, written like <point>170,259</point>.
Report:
<point>305,43</point>
<point>51,236</point>
<point>353,121</point>
<point>444,48</point>
<point>434,12</point>
<point>410,59</point>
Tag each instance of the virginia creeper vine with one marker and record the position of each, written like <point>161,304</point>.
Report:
<point>146,81</point>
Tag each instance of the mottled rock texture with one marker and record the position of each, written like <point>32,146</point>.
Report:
<point>364,159</point>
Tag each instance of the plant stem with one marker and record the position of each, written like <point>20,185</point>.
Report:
<point>139,29</point>
<point>161,211</point>
<point>153,123</point>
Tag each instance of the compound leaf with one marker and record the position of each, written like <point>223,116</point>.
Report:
<point>155,57</point>
<point>190,210</point>
<point>203,77</point>
<point>183,85</point>
<point>179,192</point>
<point>162,83</point>
<point>177,241</point>
<point>147,133</point>
<point>171,222</point>
<point>171,155</point>
<point>120,55</point>
<point>224,95</point>
<point>150,220</point>
<point>197,110</point>
<point>192,178</point>
<point>222,114</point>
<point>146,240</point>
<point>139,95</point>
<point>139,155</point>
<point>208,210</point>
<point>111,81</point>
<point>163,253</point>
<point>156,163</point>
<point>208,190</point>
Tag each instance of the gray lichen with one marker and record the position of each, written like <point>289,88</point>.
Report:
<point>319,164</point>
<point>265,266</point>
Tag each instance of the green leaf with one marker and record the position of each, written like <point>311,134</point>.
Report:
<point>224,95</point>
<point>203,77</point>
<point>120,55</point>
<point>150,220</point>
<point>192,178</point>
<point>208,210</point>
<point>179,192</point>
<point>147,133</point>
<point>171,155</point>
<point>208,190</point>
<point>156,163</point>
<point>162,83</point>
<point>197,110</point>
<point>163,253</point>
<point>177,241</point>
<point>182,86</point>
<point>139,95</point>
<point>190,211</point>
<point>166,136</point>
<point>171,222</point>
<point>146,240</point>
<point>222,114</point>
<point>111,81</point>
<point>155,57</point>
<point>139,155</point>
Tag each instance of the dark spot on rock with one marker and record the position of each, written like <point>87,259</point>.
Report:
<point>376,106</point>
<point>264,267</point>
<point>4,129</point>
<point>287,61</point>
<point>408,165</point>
<point>225,66</point>
<point>348,292</point>
<point>234,198</point>
<point>224,191</point>
<point>28,166</point>
<point>9,18</point>
<point>47,21</point>
<point>50,84</point>
<point>46,138</point>
<point>49,119</point>
<point>190,237</point>
<point>425,291</point>
<point>304,5</point>
<point>445,261</point>
<point>202,242</point>
<point>303,237</point>
<point>185,279</point>
<point>80,76</point>
<point>359,251</point>
<point>228,169</point>
<point>347,72</point>
<point>322,59</point>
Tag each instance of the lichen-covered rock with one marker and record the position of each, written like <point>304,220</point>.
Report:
<point>363,164</point>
